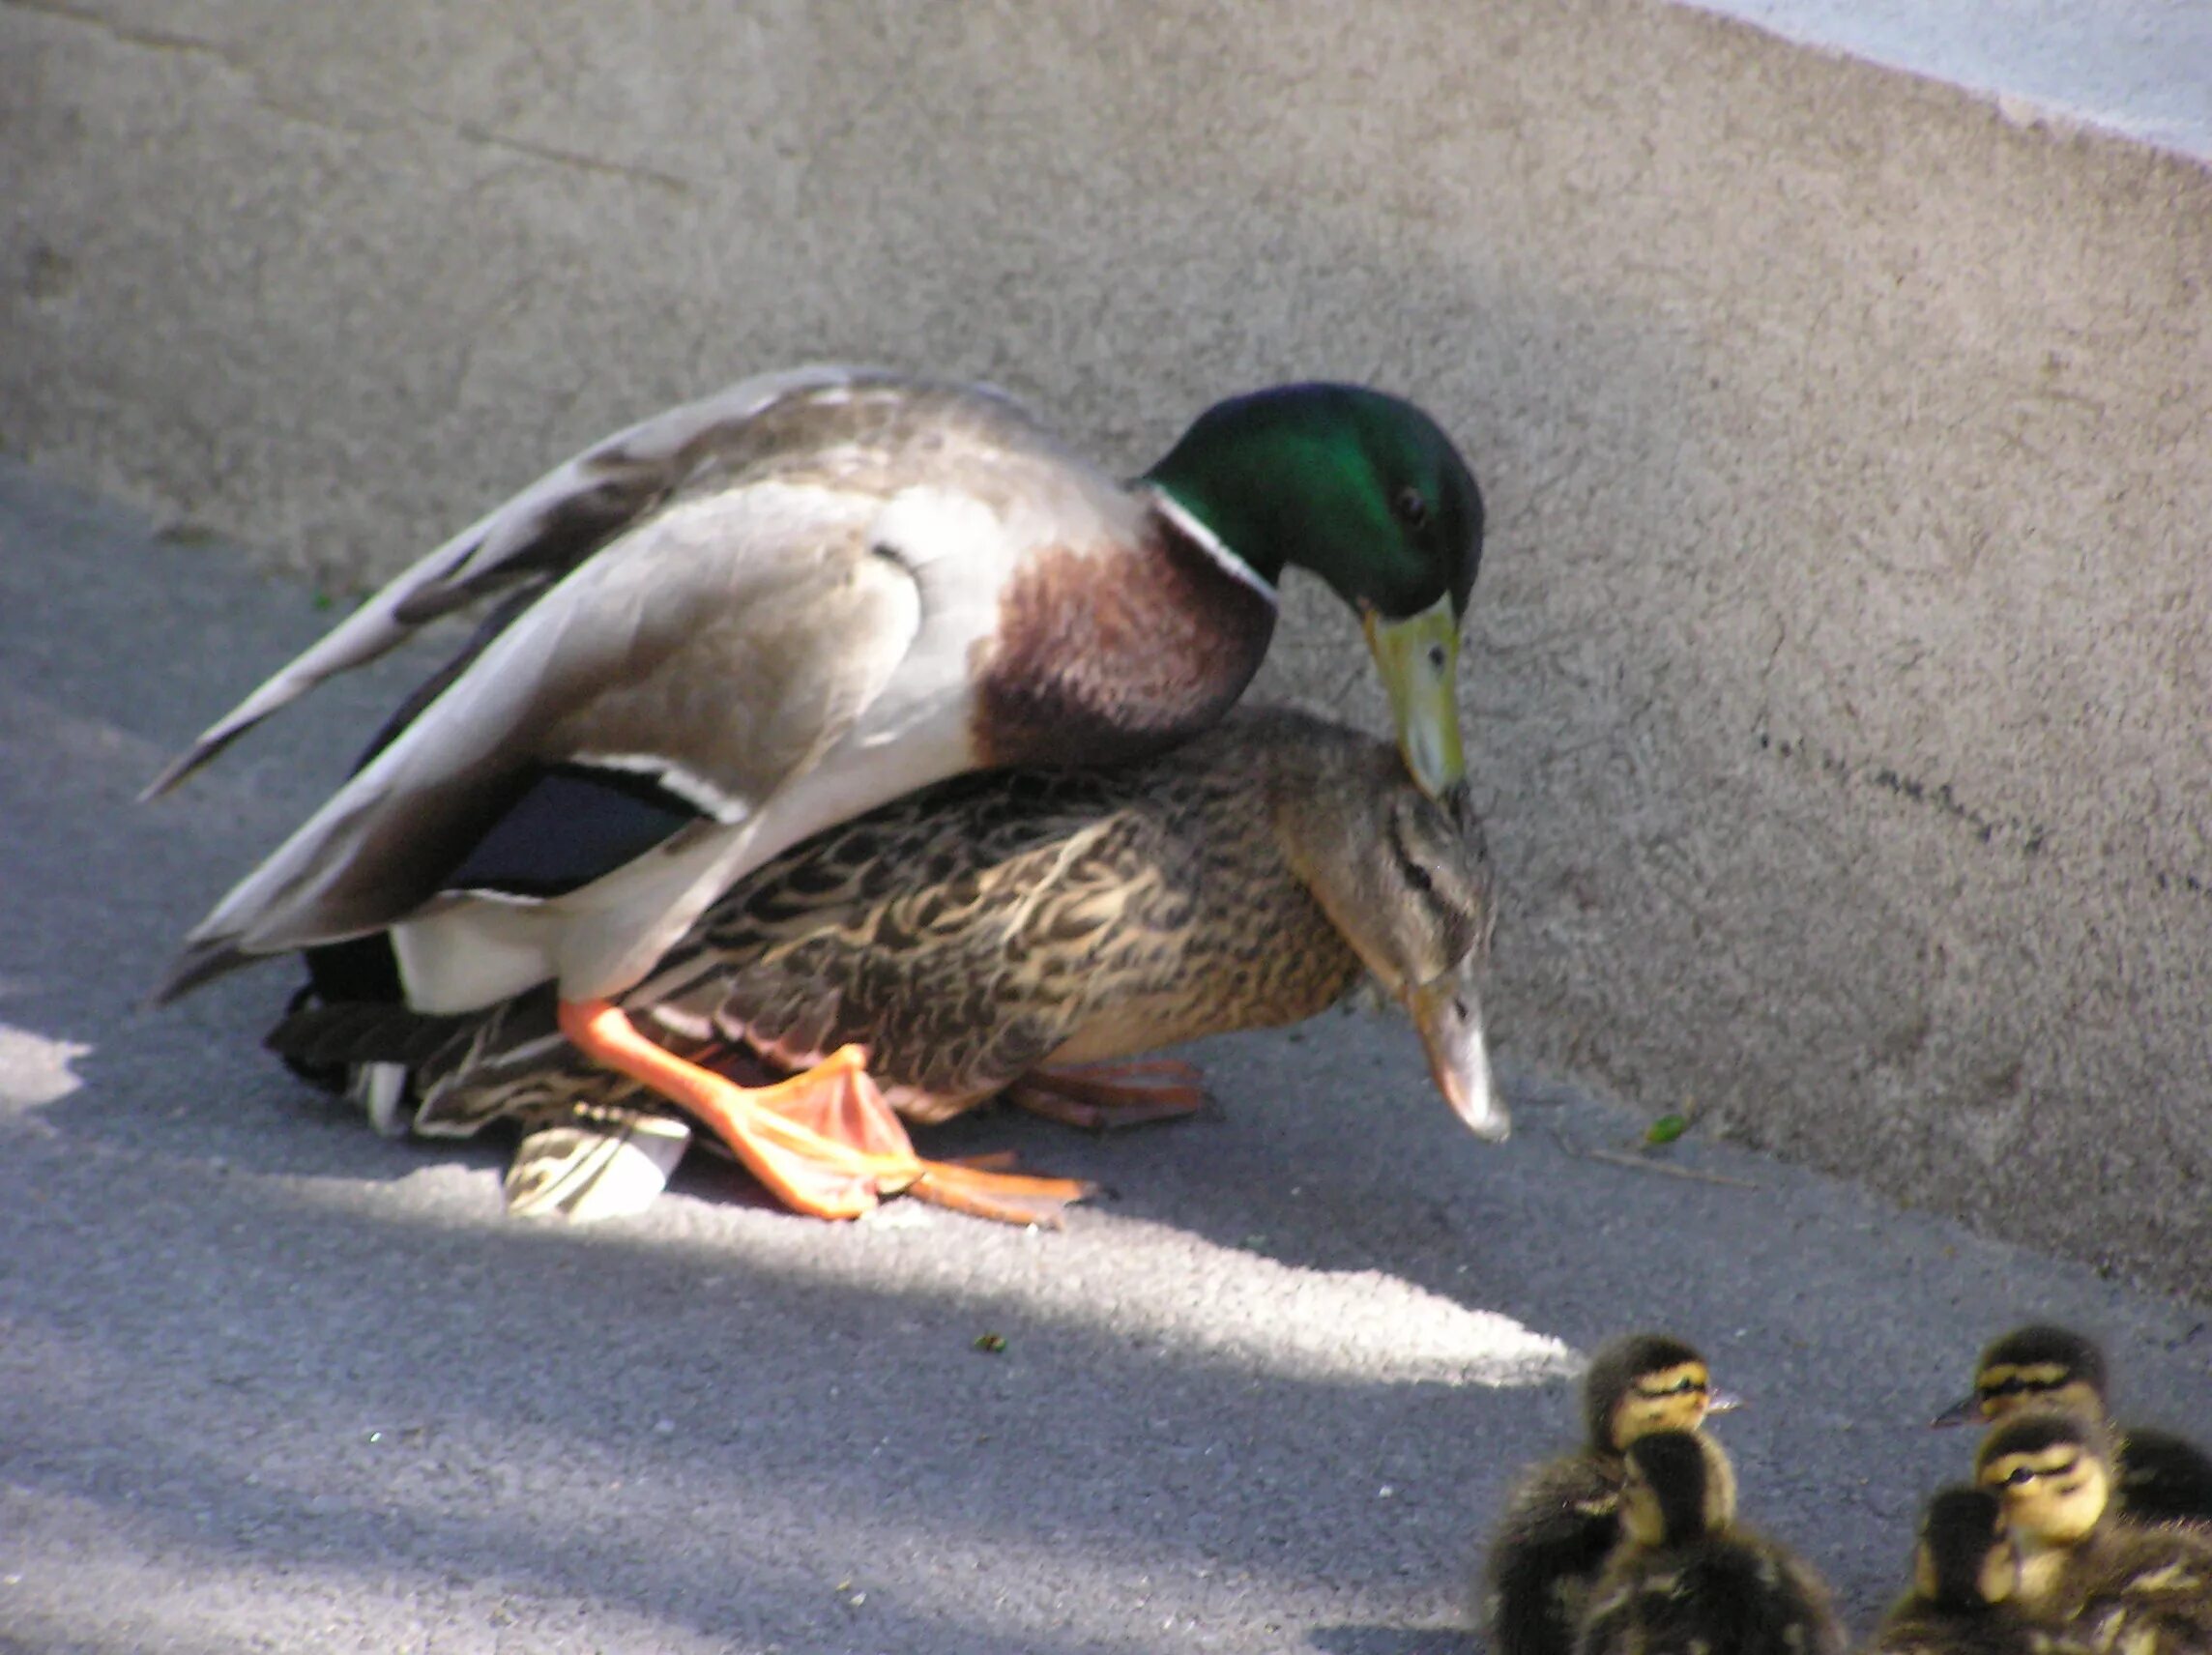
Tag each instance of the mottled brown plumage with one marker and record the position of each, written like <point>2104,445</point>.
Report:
<point>986,928</point>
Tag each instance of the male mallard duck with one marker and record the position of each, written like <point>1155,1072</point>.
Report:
<point>2162,1477</point>
<point>1686,1579</point>
<point>1562,1520</point>
<point>992,931</point>
<point>762,614</point>
<point>2107,1580</point>
<point>1964,1585</point>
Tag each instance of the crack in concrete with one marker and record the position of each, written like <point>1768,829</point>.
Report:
<point>2168,880</point>
<point>129,34</point>
<point>2021,833</point>
<point>634,172</point>
<point>468,131</point>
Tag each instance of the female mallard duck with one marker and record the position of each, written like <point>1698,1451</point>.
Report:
<point>2084,1568</point>
<point>762,614</point>
<point>989,932</point>
<point>1687,1578</point>
<point>1965,1587</point>
<point>2162,1477</point>
<point>1562,1519</point>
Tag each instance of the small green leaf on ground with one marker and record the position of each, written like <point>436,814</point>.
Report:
<point>1667,1128</point>
<point>990,1343</point>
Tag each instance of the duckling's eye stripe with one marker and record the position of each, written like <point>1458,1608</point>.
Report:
<point>2005,1378</point>
<point>2021,1474</point>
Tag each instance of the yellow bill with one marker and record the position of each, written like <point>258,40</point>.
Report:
<point>1418,658</point>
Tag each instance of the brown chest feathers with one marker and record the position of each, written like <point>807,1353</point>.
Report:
<point>1105,656</point>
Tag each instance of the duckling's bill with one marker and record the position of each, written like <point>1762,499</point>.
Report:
<point>1418,658</point>
<point>1966,1410</point>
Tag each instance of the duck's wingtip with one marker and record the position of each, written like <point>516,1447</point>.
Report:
<point>210,741</point>
<point>175,771</point>
<point>199,962</point>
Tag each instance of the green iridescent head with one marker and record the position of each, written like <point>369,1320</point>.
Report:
<point>1367,492</point>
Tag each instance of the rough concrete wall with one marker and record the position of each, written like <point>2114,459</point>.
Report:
<point>1840,677</point>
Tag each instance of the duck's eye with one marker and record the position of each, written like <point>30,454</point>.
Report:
<point>1411,506</point>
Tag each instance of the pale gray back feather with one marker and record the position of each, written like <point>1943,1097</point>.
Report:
<point>628,472</point>
<point>610,662</point>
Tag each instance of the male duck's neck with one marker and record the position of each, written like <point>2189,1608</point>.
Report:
<point>1264,580</point>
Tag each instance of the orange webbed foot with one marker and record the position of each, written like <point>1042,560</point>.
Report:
<point>805,1170</point>
<point>824,1141</point>
<point>984,1192</point>
<point>1105,1097</point>
<point>839,1099</point>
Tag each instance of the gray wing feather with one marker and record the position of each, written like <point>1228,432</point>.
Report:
<point>614,664</point>
<point>541,535</point>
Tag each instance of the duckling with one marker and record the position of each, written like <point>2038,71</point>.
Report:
<point>2162,1477</point>
<point>1561,1519</point>
<point>1687,1580</point>
<point>2105,1579</point>
<point>1017,931</point>
<point>1965,1583</point>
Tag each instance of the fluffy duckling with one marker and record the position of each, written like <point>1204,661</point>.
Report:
<point>1024,931</point>
<point>2161,1477</point>
<point>1562,1520</point>
<point>2107,1581</point>
<point>1964,1586</point>
<point>1687,1580</point>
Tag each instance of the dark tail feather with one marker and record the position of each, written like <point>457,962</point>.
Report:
<point>361,1031</point>
<point>362,968</point>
